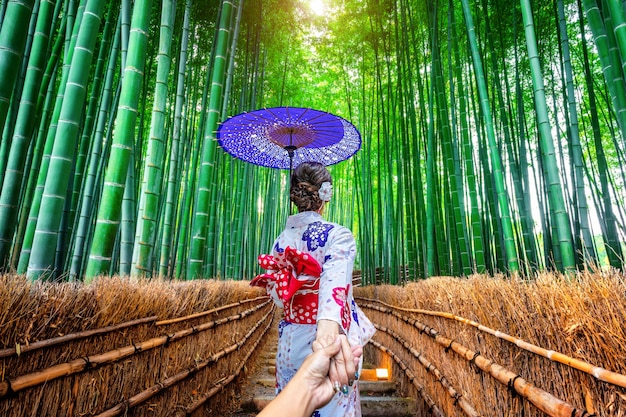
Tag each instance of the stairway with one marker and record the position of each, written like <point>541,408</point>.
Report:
<point>378,398</point>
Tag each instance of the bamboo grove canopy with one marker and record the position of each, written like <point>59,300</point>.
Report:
<point>493,133</point>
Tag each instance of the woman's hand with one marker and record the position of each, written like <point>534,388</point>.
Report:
<point>342,366</point>
<point>311,387</point>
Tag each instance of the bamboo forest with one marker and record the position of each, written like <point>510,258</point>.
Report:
<point>493,134</point>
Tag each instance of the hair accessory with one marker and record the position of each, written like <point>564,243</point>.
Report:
<point>326,191</point>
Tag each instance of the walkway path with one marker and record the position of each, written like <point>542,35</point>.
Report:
<point>378,398</point>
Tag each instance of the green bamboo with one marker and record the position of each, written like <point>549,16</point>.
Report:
<point>502,198</point>
<point>13,35</point>
<point>477,252</point>
<point>24,128</point>
<point>613,76</point>
<point>581,214</point>
<point>58,177</point>
<point>83,228</point>
<point>166,262</point>
<point>72,22</point>
<point>85,143</point>
<point>608,218</point>
<point>201,213</point>
<point>150,194</point>
<point>557,204</point>
<point>108,219</point>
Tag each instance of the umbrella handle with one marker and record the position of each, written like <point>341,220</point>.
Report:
<point>290,150</point>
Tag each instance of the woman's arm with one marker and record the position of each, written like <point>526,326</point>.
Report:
<point>311,387</point>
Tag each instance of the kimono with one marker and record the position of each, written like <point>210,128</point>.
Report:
<point>309,275</point>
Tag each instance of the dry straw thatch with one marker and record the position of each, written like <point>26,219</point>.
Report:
<point>467,347</point>
<point>71,349</point>
<point>582,317</point>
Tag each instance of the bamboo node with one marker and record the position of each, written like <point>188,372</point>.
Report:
<point>473,364</point>
<point>5,389</point>
<point>511,385</point>
<point>447,348</point>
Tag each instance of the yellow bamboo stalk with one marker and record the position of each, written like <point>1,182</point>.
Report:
<point>70,337</point>
<point>541,399</point>
<point>68,368</point>
<point>432,407</point>
<point>145,395</point>
<point>597,372</point>
<point>207,312</point>
<point>461,401</point>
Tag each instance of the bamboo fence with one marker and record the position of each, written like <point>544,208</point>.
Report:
<point>183,357</point>
<point>444,331</point>
<point>472,347</point>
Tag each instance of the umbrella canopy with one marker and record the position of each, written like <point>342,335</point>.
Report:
<point>283,137</point>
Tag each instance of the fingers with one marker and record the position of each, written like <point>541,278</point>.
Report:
<point>357,352</point>
<point>343,361</point>
<point>349,364</point>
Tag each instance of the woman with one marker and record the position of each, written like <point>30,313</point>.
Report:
<point>309,275</point>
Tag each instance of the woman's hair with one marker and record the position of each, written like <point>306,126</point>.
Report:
<point>306,180</point>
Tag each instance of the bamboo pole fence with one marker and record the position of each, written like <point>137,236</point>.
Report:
<point>165,384</point>
<point>183,363</point>
<point>433,409</point>
<point>21,349</point>
<point>541,399</point>
<point>459,400</point>
<point>593,370</point>
<point>65,369</point>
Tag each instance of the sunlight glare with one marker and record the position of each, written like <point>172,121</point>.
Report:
<point>317,7</point>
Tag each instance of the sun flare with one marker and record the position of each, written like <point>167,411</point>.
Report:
<point>317,7</point>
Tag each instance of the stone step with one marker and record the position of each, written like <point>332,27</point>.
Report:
<point>366,387</point>
<point>370,406</point>
<point>387,407</point>
<point>377,387</point>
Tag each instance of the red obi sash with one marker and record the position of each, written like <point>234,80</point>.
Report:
<point>295,276</point>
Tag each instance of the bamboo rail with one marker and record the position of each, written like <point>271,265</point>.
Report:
<point>459,400</point>
<point>224,382</point>
<point>597,372</point>
<point>19,349</point>
<point>78,365</point>
<point>168,382</point>
<point>543,400</point>
<point>432,407</point>
<point>207,312</point>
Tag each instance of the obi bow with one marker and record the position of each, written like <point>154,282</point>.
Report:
<point>287,272</point>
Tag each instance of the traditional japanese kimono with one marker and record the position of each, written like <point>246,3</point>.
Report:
<point>309,275</point>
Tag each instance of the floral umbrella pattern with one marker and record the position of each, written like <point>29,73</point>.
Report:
<point>284,137</point>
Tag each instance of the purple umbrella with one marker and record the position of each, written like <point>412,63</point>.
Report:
<point>283,137</point>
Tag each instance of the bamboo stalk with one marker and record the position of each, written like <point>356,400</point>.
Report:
<point>78,365</point>
<point>596,371</point>
<point>70,337</point>
<point>168,382</point>
<point>543,400</point>
<point>207,312</point>
<point>461,401</point>
<point>432,407</point>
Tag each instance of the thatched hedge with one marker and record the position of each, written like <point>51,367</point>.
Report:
<point>65,351</point>
<point>468,347</point>
<point>461,367</point>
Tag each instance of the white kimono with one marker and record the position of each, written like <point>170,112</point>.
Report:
<point>295,282</point>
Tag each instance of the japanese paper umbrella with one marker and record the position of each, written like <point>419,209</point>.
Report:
<point>284,137</point>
